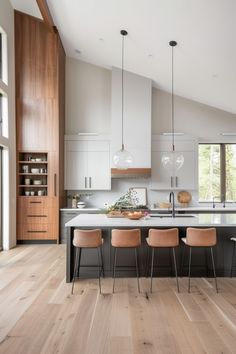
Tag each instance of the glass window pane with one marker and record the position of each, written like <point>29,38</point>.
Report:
<point>3,114</point>
<point>209,172</point>
<point>3,56</point>
<point>230,171</point>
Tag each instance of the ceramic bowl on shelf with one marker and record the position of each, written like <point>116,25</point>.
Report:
<point>37,182</point>
<point>35,170</point>
<point>38,159</point>
<point>27,193</point>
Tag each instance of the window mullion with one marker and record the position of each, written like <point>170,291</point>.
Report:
<point>222,172</point>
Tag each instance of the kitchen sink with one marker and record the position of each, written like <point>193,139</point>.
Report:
<point>170,216</point>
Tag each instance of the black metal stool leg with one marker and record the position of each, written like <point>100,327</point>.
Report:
<point>78,267</point>
<point>189,267</point>
<point>214,270</point>
<point>99,272</point>
<point>114,270</point>
<point>153,251</point>
<point>232,264</point>
<point>101,255</point>
<point>176,273</point>
<point>206,262</point>
<point>137,270</point>
<point>182,261</point>
<point>75,269</point>
<point>148,261</point>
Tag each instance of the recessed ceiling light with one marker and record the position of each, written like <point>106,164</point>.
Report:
<point>77,51</point>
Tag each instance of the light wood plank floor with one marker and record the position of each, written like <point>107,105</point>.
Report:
<point>39,315</point>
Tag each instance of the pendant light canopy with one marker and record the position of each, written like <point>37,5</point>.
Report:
<point>122,159</point>
<point>172,159</point>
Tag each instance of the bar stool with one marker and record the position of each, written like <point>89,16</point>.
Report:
<point>125,239</point>
<point>87,239</point>
<point>200,238</point>
<point>232,264</point>
<point>163,239</point>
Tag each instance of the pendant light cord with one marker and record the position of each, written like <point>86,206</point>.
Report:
<point>172,102</point>
<point>122,96</point>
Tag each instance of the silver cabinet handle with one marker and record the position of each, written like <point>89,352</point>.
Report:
<point>90,182</point>
<point>176,181</point>
<point>171,181</point>
<point>85,182</point>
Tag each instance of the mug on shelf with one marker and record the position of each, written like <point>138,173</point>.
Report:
<point>27,181</point>
<point>40,193</point>
<point>25,169</point>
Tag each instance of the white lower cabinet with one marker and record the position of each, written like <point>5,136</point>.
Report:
<point>87,170</point>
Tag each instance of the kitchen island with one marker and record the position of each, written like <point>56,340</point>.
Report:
<point>224,223</point>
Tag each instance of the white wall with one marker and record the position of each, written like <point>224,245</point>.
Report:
<point>9,168</point>
<point>88,98</point>
<point>191,118</point>
<point>88,109</point>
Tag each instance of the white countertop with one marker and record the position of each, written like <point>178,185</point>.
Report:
<point>101,220</point>
<point>202,208</point>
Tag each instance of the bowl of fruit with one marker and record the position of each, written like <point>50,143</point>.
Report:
<point>135,215</point>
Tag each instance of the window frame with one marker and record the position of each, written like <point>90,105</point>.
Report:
<point>222,195</point>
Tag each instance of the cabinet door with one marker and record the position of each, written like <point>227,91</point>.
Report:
<point>185,177</point>
<point>76,170</point>
<point>161,178</point>
<point>99,172</point>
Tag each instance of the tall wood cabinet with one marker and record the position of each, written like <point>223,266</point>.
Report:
<point>40,105</point>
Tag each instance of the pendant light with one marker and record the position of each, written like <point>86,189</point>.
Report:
<point>122,159</point>
<point>172,159</point>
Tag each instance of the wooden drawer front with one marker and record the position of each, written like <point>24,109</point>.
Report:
<point>35,202</point>
<point>36,232</point>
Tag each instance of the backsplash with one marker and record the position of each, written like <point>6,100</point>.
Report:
<point>119,187</point>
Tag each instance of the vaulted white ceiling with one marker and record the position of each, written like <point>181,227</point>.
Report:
<point>205,58</point>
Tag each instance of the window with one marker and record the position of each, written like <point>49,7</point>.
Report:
<point>3,56</point>
<point>217,172</point>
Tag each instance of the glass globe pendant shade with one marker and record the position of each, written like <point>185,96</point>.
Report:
<point>122,159</point>
<point>172,159</point>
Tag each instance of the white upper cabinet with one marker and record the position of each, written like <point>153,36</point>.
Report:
<point>137,117</point>
<point>87,165</point>
<point>183,178</point>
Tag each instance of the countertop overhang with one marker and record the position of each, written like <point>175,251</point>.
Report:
<point>201,220</point>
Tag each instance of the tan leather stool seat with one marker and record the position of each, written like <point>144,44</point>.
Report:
<point>163,238</point>
<point>201,237</point>
<point>158,238</point>
<point>196,237</point>
<point>126,238</point>
<point>87,238</point>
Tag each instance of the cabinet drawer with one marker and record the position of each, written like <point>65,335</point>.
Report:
<point>36,232</point>
<point>34,202</point>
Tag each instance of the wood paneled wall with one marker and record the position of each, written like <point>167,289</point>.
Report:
<point>40,99</point>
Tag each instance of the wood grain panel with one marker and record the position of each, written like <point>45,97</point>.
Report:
<point>40,108</point>
<point>115,172</point>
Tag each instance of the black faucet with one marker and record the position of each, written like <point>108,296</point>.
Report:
<point>172,200</point>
